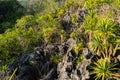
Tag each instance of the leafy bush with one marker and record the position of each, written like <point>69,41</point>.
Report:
<point>107,29</point>
<point>99,31</point>
<point>100,34</point>
<point>25,22</point>
<point>48,26</point>
<point>103,69</point>
<point>21,38</point>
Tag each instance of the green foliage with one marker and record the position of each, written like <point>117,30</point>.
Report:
<point>51,6</point>
<point>48,26</point>
<point>4,68</point>
<point>62,34</point>
<point>107,29</point>
<point>10,11</point>
<point>21,38</point>
<point>28,39</point>
<point>79,59</point>
<point>110,14</point>
<point>78,47</point>
<point>78,35</point>
<point>60,12</point>
<point>27,33</point>
<point>42,6</point>
<point>13,74</point>
<point>8,44</point>
<point>47,21</point>
<point>73,34</point>
<point>94,3</point>
<point>25,22</point>
<point>90,23</point>
<point>46,33</point>
<point>106,1</point>
<point>117,3</point>
<point>34,6</point>
<point>99,31</point>
<point>103,69</point>
<point>74,19</point>
<point>91,3</point>
<point>69,3</point>
<point>4,26</point>
<point>57,58</point>
<point>91,20</point>
<point>96,45</point>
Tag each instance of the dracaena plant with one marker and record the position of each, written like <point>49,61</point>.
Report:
<point>107,29</point>
<point>90,23</point>
<point>97,46</point>
<point>104,40</point>
<point>102,69</point>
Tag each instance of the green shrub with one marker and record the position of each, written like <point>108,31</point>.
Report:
<point>48,26</point>
<point>25,22</point>
<point>46,34</point>
<point>107,29</point>
<point>8,44</point>
<point>21,38</point>
<point>99,31</point>
<point>103,69</point>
